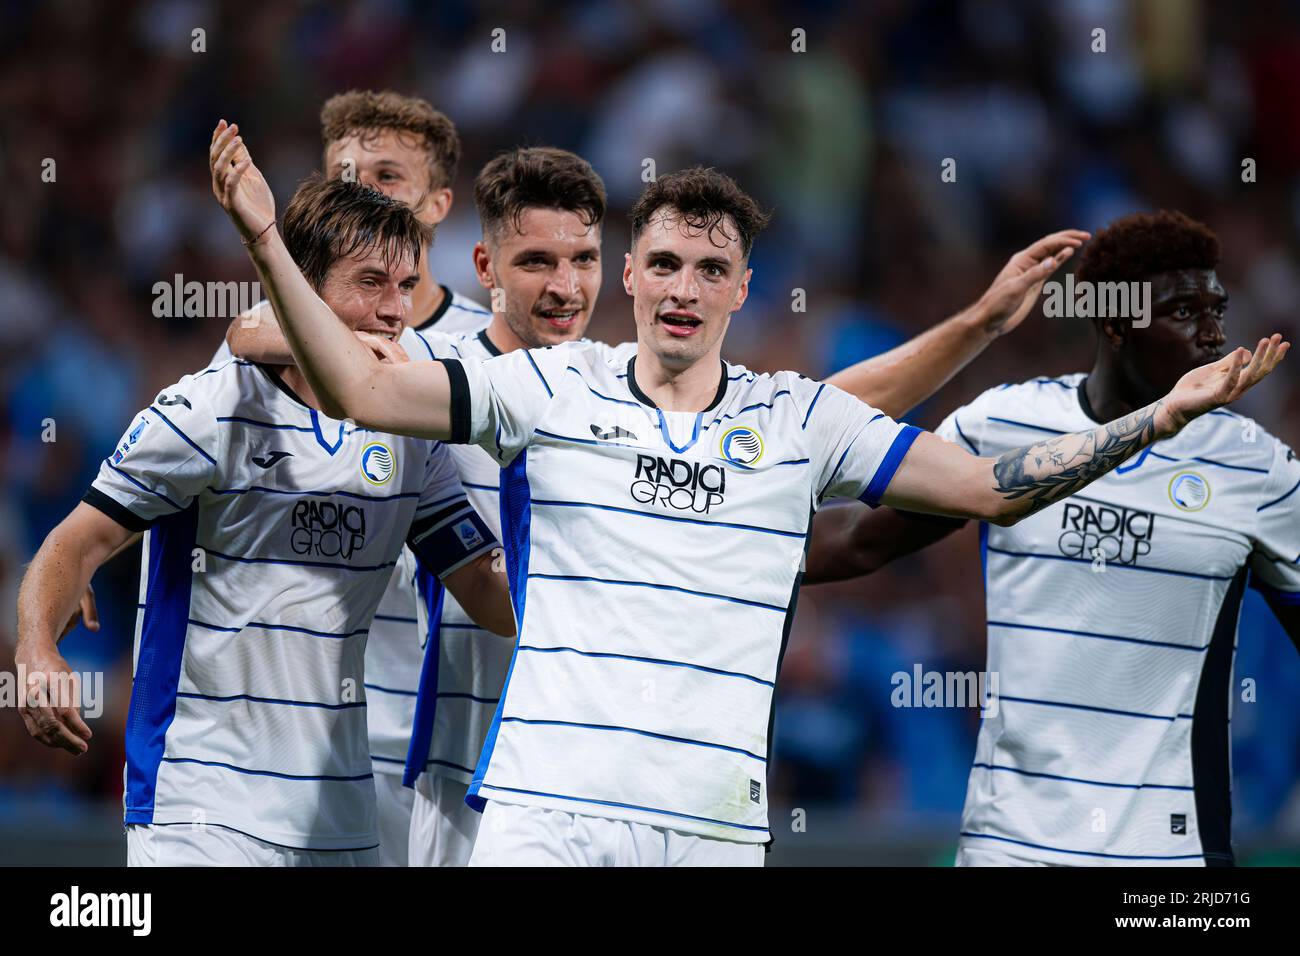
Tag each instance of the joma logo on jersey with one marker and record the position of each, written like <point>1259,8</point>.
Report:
<point>1121,535</point>
<point>680,485</point>
<point>324,529</point>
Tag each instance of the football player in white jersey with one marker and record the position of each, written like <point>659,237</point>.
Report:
<point>541,211</point>
<point>629,730</point>
<point>1112,616</point>
<point>406,149</point>
<point>272,533</point>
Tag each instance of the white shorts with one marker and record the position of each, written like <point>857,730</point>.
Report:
<point>183,845</point>
<point>512,835</point>
<point>393,802</point>
<point>443,827</point>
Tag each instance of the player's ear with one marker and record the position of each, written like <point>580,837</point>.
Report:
<point>438,204</point>
<point>483,264</point>
<point>742,293</point>
<point>1112,331</point>
<point>627,273</point>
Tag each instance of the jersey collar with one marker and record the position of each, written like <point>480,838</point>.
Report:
<point>439,312</point>
<point>645,399</point>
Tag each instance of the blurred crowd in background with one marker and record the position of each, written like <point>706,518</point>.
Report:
<point>844,141</point>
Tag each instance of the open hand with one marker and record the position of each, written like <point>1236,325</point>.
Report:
<point>1206,388</point>
<point>1015,290</point>
<point>238,184</point>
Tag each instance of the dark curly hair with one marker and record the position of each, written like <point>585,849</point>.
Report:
<point>705,199</point>
<point>536,177</point>
<point>1139,246</point>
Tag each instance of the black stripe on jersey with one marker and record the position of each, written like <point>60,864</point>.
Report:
<point>439,312</point>
<point>487,343</point>
<point>645,399</point>
<point>460,404</point>
<point>119,513</point>
<point>1211,769</point>
<point>429,522</point>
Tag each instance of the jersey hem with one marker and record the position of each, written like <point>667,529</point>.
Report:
<point>283,838</point>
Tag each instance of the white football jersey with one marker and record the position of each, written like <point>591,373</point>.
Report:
<point>272,533</point>
<point>394,649</point>
<point>464,666</point>
<point>653,559</point>
<point>1112,622</point>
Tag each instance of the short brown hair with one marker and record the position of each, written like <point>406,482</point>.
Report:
<point>331,219</point>
<point>1139,246</point>
<point>540,177</point>
<point>705,199</point>
<point>369,113</point>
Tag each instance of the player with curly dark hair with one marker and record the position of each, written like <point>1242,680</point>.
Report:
<point>1112,616</point>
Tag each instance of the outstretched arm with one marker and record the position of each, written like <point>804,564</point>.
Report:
<point>939,478</point>
<point>255,335</point>
<point>50,594</point>
<point>407,399</point>
<point>902,378</point>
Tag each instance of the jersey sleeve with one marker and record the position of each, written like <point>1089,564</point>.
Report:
<point>855,448</point>
<point>166,458</point>
<point>447,533</point>
<point>498,403</point>
<point>1275,560</point>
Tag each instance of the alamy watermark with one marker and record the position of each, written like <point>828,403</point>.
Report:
<point>204,300</point>
<point>1098,300</point>
<point>922,688</point>
<point>84,691</point>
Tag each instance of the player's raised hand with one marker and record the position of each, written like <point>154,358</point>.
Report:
<point>49,704</point>
<point>1015,290</point>
<point>238,184</point>
<point>1206,388</point>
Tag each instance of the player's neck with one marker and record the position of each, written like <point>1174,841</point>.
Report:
<point>427,298</point>
<point>502,336</point>
<point>690,389</point>
<point>1111,393</point>
<point>297,383</point>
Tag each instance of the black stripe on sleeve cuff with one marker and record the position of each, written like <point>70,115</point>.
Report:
<point>119,513</point>
<point>460,408</point>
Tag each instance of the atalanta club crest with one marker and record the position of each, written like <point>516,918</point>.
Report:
<point>377,463</point>
<point>742,445</point>
<point>1189,491</point>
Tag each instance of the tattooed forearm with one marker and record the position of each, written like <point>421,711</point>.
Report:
<point>1040,474</point>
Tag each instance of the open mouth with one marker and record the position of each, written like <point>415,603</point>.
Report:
<point>680,323</point>
<point>559,318</point>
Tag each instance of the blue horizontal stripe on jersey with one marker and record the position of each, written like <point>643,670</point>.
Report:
<point>236,419</point>
<point>1211,461</point>
<point>442,501</point>
<point>390,690</point>
<point>788,461</point>
<point>228,363</point>
<point>659,587</point>
<point>1037,428</point>
<point>384,759</point>
<point>648,514</point>
<point>190,441</point>
<point>646,660</point>
<point>460,695</point>
<point>470,484</point>
<point>613,728</point>
<point>262,489</point>
<point>300,564</point>
<point>143,487</point>
<point>1090,707</point>
<point>845,454</point>
<point>269,700</point>
<point>277,627</point>
<point>434,761</point>
<point>811,406</point>
<point>394,617</point>
<point>461,627</point>
<point>616,401</point>
<point>750,408</point>
<point>283,846</point>
<point>1104,637</point>
<point>1278,501</point>
<point>1057,849</point>
<point>1109,565</point>
<point>626,806</point>
<point>1094,783</point>
<point>271,773</point>
<point>1053,381</point>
